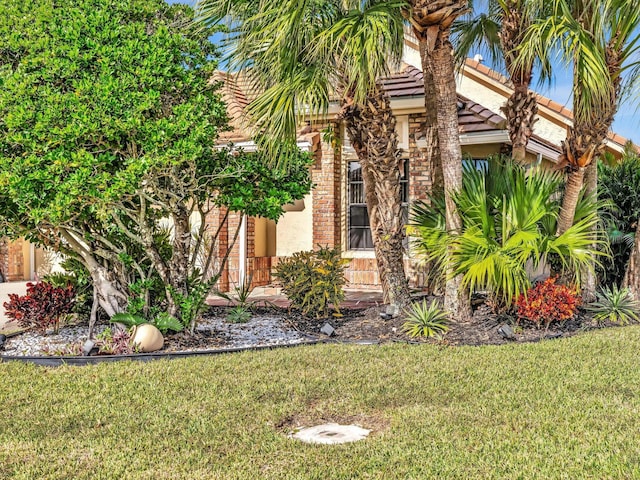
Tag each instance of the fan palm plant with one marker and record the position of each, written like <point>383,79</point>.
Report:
<point>509,217</point>
<point>299,53</point>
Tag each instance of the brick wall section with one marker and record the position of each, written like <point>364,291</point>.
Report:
<point>230,277</point>
<point>419,184</point>
<point>326,176</point>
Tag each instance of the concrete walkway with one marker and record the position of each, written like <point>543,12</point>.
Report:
<point>5,289</point>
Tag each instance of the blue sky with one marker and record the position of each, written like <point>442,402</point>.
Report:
<point>627,120</point>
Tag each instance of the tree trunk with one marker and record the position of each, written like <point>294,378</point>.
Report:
<point>632,275</point>
<point>570,200</point>
<point>521,109</point>
<point>371,130</point>
<point>456,300</point>
<point>110,294</point>
<point>431,124</point>
<point>180,255</point>
<point>589,282</point>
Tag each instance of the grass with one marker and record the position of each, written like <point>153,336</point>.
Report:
<point>557,409</point>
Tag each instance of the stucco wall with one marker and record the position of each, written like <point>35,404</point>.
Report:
<point>481,93</point>
<point>294,231</point>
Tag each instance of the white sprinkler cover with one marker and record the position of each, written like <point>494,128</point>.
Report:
<point>331,433</point>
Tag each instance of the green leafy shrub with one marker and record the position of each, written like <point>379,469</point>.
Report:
<point>314,279</point>
<point>41,307</point>
<point>425,320</point>
<point>548,302</point>
<point>165,322</point>
<point>509,218</point>
<point>619,183</point>
<point>614,304</point>
<point>239,314</point>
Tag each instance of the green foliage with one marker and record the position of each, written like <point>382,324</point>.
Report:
<point>263,190</point>
<point>614,304</point>
<point>619,183</point>
<point>127,319</point>
<point>314,279</point>
<point>108,122</point>
<point>509,219</point>
<point>192,304</point>
<point>239,314</point>
<point>165,322</point>
<point>426,320</point>
<point>162,321</point>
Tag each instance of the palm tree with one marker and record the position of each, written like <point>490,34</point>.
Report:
<point>431,21</point>
<point>500,30</point>
<point>509,219</point>
<point>301,52</point>
<point>601,40</point>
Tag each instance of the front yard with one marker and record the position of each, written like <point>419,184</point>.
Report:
<point>557,409</point>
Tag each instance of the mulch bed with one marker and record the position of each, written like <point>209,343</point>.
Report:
<point>366,325</point>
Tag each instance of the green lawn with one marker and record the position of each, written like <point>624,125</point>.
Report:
<point>559,409</point>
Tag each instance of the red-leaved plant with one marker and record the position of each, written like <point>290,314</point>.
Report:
<point>41,307</point>
<point>548,302</point>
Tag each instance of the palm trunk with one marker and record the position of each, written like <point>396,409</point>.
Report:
<point>456,300</point>
<point>632,275</point>
<point>521,109</point>
<point>371,130</point>
<point>589,282</point>
<point>570,199</point>
<point>431,124</point>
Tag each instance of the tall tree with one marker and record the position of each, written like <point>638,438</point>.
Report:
<point>299,53</point>
<point>431,22</point>
<point>600,39</point>
<point>498,31</point>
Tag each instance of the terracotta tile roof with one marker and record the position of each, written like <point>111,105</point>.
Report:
<point>237,93</point>
<point>236,100</point>
<point>472,117</point>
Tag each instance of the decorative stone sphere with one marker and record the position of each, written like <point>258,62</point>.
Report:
<point>147,337</point>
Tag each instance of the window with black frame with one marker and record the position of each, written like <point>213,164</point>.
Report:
<point>358,216</point>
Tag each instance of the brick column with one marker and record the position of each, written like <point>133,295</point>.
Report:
<point>419,184</point>
<point>327,208</point>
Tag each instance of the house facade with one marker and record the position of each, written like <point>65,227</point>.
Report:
<point>334,213</point>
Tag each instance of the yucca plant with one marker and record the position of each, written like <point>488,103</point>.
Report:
<point>616,305</point>
<point>509,217</point>
<point>425,320</point>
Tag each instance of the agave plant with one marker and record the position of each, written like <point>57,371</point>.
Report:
<point>616,305</point>
<point>425,320</point>
<point>509,218</point>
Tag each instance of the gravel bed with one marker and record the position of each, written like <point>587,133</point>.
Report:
<point>213,332</point>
